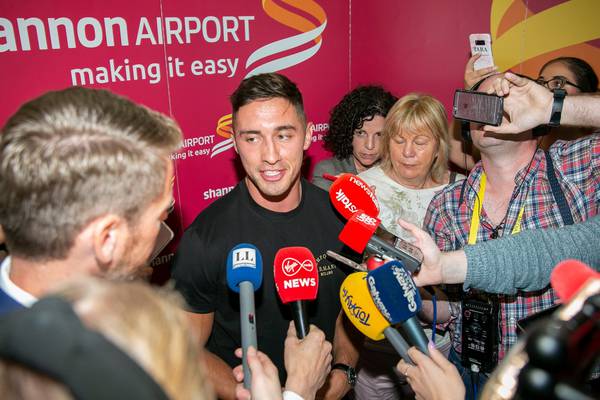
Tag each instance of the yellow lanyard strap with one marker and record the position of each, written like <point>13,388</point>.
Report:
<point>477,212</point>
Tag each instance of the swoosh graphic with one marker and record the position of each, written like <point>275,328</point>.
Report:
<point>542,34</point>
<point>281,46</point>
<point>309,32</point>
<point>292,20</point>
<point>221,147</point>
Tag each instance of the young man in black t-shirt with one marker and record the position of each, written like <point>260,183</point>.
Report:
<point>272,207</point>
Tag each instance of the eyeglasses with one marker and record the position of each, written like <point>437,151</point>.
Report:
<point>556,82</point>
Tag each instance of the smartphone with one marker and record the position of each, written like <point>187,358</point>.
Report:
<point>165,235</point>
<point>388,246</point>
<point>482,43</point>
<point>478,107</point>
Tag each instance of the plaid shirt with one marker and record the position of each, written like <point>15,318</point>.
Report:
<point>448,220</point>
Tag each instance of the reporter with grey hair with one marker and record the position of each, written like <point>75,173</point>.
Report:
<point>69,160</point>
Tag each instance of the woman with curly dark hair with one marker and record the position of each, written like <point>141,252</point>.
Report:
<point>355,127</point>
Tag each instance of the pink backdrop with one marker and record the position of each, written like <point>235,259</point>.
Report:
<point>325,46</point>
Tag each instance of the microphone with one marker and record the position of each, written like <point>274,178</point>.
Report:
<point>244,276</point>
<point>569,276</point>
<point>364,315</point>
<point>397,298</point>
<point>554,358</point>
<point>362,232</point>
<point>353,198</point>
<point>296,278</point>
<point>349,193</point>
<point>329,177</point>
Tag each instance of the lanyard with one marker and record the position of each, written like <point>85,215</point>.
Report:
<point>477,212</point>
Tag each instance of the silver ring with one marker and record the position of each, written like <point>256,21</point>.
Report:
<point>406,370</point>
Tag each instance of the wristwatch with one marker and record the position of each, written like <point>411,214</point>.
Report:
<point>348,370</point>
<point>557,106</point>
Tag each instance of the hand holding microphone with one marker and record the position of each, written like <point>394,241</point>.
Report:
<point>432,377</point>
<point>296,276</point>
<point>244,276</point>
<point>307,361</point>
<point>265,377</point>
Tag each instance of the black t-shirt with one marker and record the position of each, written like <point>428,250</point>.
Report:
<point>199,270</point>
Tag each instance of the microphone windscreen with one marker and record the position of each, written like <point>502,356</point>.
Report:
<point>569,276</point>
<point>359,307</point>
<point>358,231</point>
<point>394,292</point>
<point>244,263</point>
<point>296,274</point>
<point>349,194</point>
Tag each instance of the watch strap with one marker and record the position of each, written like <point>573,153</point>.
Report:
<point>350,372</point>
<point>557,106</point>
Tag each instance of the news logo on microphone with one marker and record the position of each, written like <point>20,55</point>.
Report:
<point>296,274</point>
<point>359,308</point>
<point>244,264</point>
<point>394,291</point>
<point>243,257</point>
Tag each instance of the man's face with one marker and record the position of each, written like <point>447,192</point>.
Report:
<point>143,234</point>
<point>489,143</point>
<point>270,139</point>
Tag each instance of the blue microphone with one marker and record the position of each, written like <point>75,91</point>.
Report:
<point>244,276</point>
<point>397,298</point>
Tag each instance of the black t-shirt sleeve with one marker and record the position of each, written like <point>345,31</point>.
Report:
<point>195,275</point>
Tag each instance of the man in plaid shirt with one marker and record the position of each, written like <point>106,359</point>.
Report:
<point>509,191</point>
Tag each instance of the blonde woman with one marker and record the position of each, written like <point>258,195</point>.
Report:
<point>414,164</point>
<point>413,168</point>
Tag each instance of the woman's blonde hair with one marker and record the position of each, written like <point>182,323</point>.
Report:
<point>146,323</point>
<point>413,113</point>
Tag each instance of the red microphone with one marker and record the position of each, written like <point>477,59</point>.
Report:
<point>569,276</point>
<point>358,230</point>
<point>362,231</point>
<point>330,177</point>
<point>296,276</point>
<point>349,194</point>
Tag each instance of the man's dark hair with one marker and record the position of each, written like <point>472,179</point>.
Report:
<point>266,87</point>
<point>585,77</point>
<point>360,105</point>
